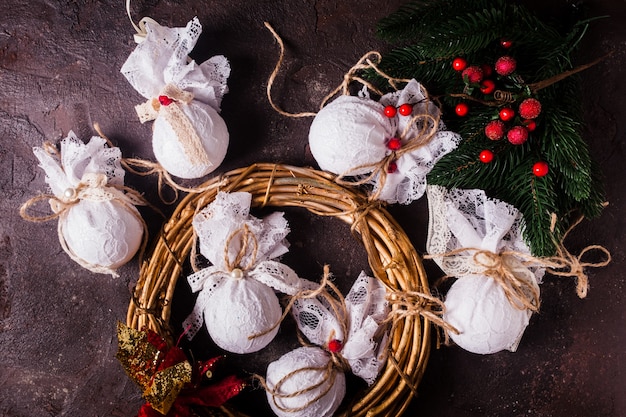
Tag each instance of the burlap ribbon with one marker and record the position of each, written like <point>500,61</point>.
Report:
<point>168,106</point>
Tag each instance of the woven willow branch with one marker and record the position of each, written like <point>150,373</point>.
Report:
<point>391,255</point>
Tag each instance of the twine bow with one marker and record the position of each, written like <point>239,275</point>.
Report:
<point>168,105</point>
<point>565,259</point>
<point>427,128</point>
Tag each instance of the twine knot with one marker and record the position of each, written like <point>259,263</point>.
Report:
<point>515,279</point>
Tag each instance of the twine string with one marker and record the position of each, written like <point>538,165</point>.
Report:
<point>368,61</point>
<point>576,267</point>
<point>248,243</point>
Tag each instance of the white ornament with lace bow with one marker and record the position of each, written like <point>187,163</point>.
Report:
<point>236,299</point>
<point>310,372</point>
<point>351,136</point>
<point>190,138</point>
<point>99,226</point>
<point>476,305</point>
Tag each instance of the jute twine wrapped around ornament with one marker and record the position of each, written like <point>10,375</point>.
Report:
<point>391,256</point>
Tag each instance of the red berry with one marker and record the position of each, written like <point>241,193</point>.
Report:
<point>461,109</point>
<point>530,108</point>
<point>506,43</point>
<point>165,100</point>
<point>394,144</point>
<point>487,70</point>
<point>531,125</point>
<point>392,167</point>
<point>459,64</point>
<point>494,130</point>
<point>405,109</point>
<point>335,346</point>
<point>486,156</point>
<point>507,114</point>
<point>473,74</point>
<point>487,87</point>
<point>390,111</point>
<point>517,135</point>
<point>540,169</point>
<point>505,65</point>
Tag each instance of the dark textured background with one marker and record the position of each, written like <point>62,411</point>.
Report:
<point>59,70</point>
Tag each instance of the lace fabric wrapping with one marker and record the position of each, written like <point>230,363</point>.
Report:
<point>476,305</point>
<point>97,226</point>
<point>349,137</point>
<point>236,299</point>
<point>161,63</point>
<point>293,388</point>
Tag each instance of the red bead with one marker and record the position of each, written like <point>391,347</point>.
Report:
<point>507,114</point>
<point>517,135</point>
<point>531,125</point>
<point>486,156</point>
<point>165,100</point>
<point>390,111</point>
<point>540,169</point>
<point>494,130</point>
<point>335,346</point>
<point>394,144</point>
<point>506,43</point>
<point>393,167</point>
<point>487,87</point>
<point>461,109</point>
<point>459,64</point>
<point>405,109</point>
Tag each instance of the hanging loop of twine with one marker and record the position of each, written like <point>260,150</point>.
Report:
<point>368,61</point>
<point>248,243</point>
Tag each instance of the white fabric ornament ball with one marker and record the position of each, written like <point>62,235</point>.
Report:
<point>487,322</point>
<point>297,360</point>
<point>239,309</point>
<point>350,132</point>
<point>102,233</point>
<point>212,132</point>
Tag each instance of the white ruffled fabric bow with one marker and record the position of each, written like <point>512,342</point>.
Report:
<point>75,159</point>
<point>468,235</point>
<point>162,58</point>
<point>366,310</point>
<point>241,249</point>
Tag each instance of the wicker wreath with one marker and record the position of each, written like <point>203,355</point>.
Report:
<point>391,256</point>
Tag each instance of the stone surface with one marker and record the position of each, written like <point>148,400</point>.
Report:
<point>59,70</point>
